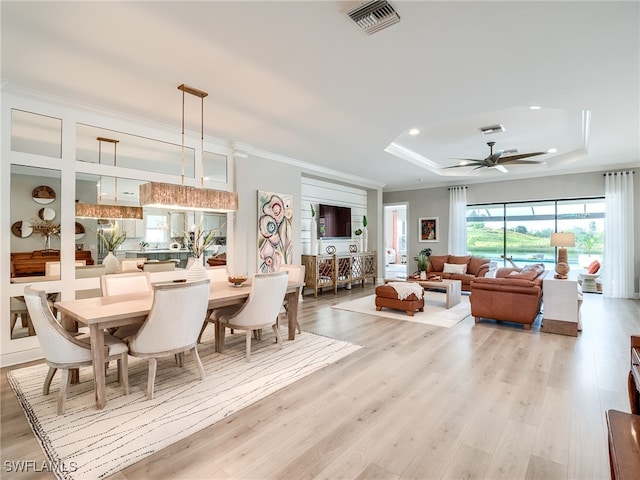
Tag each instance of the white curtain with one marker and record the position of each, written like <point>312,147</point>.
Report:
<point>457,221</point>
<point>617,275</point>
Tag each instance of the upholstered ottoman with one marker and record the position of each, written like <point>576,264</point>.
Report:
<point>387,296</point>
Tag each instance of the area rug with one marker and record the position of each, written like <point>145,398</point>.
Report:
<point>86,443</point>
<point>434,313</point>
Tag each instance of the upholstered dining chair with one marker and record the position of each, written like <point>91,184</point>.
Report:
<point>259,311</point>
<point>131,264</point>
<point>296,274</point>
<point>124,283</point>
<point>64,351</point>
<point>172,326</point>
<point>160,266</point>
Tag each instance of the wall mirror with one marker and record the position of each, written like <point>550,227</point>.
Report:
<point>132,151</point>
<point>35,240</point>
<point>36,134</point>
<point>20,325</point>
<point>215,167</point>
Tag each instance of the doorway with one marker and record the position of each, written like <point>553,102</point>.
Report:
<point>395,240</point>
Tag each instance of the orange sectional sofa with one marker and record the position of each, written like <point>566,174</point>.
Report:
<point>475,267</point>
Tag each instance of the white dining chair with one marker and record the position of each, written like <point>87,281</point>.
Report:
<point>172,326</point>
<point>259,311</point>
<point>296,274</point>
<point>160,266</point>
<point>131,264</point>
<point>52,269</point>
<point>121,284</point>
<point>64,351</point>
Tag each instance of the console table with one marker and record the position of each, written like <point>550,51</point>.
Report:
<point>338,269</point>
<point>562,300</point>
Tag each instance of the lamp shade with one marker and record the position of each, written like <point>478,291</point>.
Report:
<point>563,240</point>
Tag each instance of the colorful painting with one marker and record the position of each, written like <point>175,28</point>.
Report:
<point>428,229</point>
<point>275,231</point>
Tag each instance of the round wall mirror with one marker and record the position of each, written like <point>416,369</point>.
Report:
<point>21,229</point>
<point>43,195</point>
<point>79,231</point>
<point>46,213</point>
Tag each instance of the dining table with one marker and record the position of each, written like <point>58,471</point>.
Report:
<point>100,313</point>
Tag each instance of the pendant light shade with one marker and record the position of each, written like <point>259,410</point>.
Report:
<point>88,210</point>
<point>184,197</point>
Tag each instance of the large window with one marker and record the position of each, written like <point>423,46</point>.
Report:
<point>521,231</point>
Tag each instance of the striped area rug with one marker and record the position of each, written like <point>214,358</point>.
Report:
<point>86,443</point>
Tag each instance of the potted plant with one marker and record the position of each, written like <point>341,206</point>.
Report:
<point>111,240</point>
<point>198,242</point>
<point>422,260</point>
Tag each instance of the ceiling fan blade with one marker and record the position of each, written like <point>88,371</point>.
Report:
<point>521,162</point>
<point>501,168</point>
<point>522,155</point>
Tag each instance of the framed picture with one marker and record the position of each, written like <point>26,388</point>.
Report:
<point>428,229</point>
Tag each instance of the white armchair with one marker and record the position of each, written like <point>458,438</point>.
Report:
<point>259,311</point>
<point>64,351</point>
<point>173,325</point>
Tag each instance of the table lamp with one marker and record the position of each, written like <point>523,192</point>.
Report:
<point>562,240</point>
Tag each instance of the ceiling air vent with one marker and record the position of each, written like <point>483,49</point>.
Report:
<point>492,129</point>
<point>374,16</point>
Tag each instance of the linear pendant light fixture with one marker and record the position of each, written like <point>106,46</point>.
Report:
<point>185,197</point>
<point>87,210</point>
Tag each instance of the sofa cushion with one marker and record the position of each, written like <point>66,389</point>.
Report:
<point>475,263</point>
<point>459,260</point>
<point>594,267</point>
<point>437,262</point>
<point>455,268</point>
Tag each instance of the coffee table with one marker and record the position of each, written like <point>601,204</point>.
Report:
<point>452,288</point>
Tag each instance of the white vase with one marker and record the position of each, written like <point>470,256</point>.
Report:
<point>423,275</point>
<point>314,236</point>
<point>196,271</point>
<point>365,240</point>
<point>111,264</point>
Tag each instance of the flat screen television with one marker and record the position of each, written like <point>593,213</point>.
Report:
<point>334,221</point>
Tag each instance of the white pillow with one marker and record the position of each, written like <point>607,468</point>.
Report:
<point>455,268</point>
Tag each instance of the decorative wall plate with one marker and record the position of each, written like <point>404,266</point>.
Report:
<point>46,213</point>
<point>79,231</point>
<point>21,229</point>
<point>43,195</point>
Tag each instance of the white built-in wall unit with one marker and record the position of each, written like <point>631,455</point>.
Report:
<point>315,192</point>
<point>52,143</point>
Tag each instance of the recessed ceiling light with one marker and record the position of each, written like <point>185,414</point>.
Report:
<point>535,107</point>
<point>552,150</point>
<point>414,131</point>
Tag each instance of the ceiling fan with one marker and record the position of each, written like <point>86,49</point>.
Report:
<point>497,161</point>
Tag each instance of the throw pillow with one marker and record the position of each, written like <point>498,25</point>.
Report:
<point>528,275</point>
<point>594,267</point>
<point>455,268</point>
<point>475,264</point>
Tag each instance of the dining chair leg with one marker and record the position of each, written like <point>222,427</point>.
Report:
<point>47,381</point>
<point>153,365</point>
<point>123,372</point>
<point>277,333</point>
<point>65,380</point>
<point>196,358</point>
<point>220,334</point>
<point>248,345</point>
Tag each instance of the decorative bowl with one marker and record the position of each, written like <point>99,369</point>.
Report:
<point>236,279</point>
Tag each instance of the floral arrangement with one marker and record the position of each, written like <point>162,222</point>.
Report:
<point>199,240</point>
<point>113,238</point>
<point>46,228</point>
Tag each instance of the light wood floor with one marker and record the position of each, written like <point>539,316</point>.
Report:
<point>486,401</point>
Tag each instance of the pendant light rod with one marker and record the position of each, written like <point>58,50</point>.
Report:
<point>201,94</point>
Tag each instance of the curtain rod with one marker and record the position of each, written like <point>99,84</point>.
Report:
<point>463,186</point>
<point>620,173</point>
